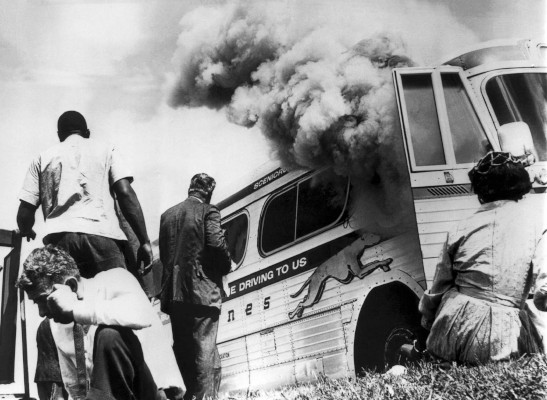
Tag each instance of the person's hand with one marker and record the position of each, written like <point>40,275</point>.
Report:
<point>145,256</point>
<point>225,285</point>
<point>540,300</point>
<point>31,235</point>
<point>426,323</point>
<point>161,395</point>
<point>61,303</point>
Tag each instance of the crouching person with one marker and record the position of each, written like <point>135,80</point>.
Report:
<point>92,325</point>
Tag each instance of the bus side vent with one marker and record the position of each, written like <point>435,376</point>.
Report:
<point>442,191</point>
<point>448,190</point>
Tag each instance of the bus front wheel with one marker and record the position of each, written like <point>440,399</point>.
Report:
<point>402,346</point>
<point>389,322</point>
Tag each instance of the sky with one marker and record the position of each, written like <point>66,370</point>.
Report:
<point>117,62</point>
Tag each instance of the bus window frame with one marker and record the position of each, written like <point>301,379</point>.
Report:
<point>489,76</point>
<point>442,116</point>
<point>232,217</point>
<point>541,49</point>
<point>282,190</point>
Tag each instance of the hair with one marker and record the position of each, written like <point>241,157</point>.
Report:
<point>71,122</point>
<point>506,180</point>
<point>202,186</point>
<point>45,267</point>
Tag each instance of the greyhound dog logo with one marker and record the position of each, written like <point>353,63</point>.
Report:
<point>343,266</point>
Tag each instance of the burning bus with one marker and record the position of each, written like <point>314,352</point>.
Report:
<point>329,266</point>
<point>326,279</point>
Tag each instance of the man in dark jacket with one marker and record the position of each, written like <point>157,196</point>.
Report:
<point>195,256</point>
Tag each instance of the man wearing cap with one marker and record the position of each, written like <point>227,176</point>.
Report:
<point>75,182</point>
<point>195,257</point>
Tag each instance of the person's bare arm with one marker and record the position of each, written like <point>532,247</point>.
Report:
<point>132,211</point>
<point>26,219</point>
<point>118,305</point>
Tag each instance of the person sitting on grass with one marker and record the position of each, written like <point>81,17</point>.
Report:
<point>476,307</point>
<point>92,325</point>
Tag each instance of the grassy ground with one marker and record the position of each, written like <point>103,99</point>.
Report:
<point>525,378</point>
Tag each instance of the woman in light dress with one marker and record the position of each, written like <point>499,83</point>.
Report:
<point>476,308</point>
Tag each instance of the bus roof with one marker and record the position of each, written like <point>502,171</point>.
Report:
<point>259,183</point>
<point>495,51</point>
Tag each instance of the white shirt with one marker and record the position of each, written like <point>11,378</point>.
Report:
<point>114,297</point>
<point>72,181</point>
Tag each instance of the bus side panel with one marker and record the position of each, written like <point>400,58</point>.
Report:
<point>235,367</point>
<point>316,337</point>
<point>435,218</point>
<point>273,342</point>
<point>273,376</point>
<point>284,347</point>
<point>298,352</point>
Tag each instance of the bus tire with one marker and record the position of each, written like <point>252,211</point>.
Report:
<point>381,349</point>
<point>388,320</point>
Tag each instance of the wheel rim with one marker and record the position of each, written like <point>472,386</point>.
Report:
<point>397,338</point>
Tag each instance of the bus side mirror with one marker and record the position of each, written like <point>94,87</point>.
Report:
<point>516,138</point>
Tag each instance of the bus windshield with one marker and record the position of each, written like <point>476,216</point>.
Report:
<point>522,97</point>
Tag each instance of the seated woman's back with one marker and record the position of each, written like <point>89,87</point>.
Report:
<point>494,249</point>
<point>476,306</point>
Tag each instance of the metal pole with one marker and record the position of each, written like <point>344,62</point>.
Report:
<point>17,242</point>
<point>24,343</point>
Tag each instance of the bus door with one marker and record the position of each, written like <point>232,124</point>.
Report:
<point>445,133</point>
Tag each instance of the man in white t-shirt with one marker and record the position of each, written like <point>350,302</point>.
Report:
<point>75,183</point>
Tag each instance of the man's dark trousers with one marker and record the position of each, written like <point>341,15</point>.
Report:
<point>119,370</point>
<point>195,330</point>
<point>92,253</point>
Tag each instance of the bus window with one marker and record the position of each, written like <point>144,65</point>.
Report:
<point>423,127</point>
<point>278,223</point>
<point>468,137</point>
<point>320,203</point>
<point>237,230</point>
<point>312,205</point>
<point>522,97</point>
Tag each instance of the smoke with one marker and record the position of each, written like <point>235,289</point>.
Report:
<point>321,94</point>
<point>219,49</point>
